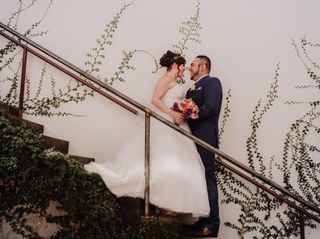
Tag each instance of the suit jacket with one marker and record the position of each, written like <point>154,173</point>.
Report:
<point>207,95</point>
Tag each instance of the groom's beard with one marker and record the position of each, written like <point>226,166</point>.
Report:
<point>193,74</point>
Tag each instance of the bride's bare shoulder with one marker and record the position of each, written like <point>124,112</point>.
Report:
<point>164,80</point>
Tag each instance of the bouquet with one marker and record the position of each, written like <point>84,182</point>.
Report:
<point>187,107</point>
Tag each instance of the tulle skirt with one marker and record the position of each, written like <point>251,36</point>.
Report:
<point>177,178</point>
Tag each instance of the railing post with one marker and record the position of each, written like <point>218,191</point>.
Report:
<point>147,162</point>
<point>23,80</point>
<point>301,219</point>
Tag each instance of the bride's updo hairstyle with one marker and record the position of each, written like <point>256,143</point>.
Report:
<point>169,58</point>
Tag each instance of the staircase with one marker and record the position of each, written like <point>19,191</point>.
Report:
<point>49,142</point>
<point>130,210</point>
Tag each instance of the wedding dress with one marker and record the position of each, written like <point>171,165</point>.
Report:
<point>177,178</point>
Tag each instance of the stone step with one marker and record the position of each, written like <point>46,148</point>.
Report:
<point>130,211</point>
<point>9,109</point>
<point>49,142</point>
<point>38,128</point>
<point>81,160</point>
<point>57,144</point>
<point>12,114</point>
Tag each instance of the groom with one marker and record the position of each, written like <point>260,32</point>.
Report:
<point>207,94</point>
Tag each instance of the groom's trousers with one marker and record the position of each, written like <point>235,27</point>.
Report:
<point>208,160</point>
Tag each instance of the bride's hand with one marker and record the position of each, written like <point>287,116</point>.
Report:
<point>177,117</point>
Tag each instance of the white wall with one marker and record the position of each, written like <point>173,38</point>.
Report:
<point>244,39</point>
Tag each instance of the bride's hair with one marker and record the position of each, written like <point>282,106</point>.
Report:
<point>169,58</point>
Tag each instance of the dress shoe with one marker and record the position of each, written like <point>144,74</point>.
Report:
<point>204,232</point>
<point>168,212</point>
<point>186,229</point>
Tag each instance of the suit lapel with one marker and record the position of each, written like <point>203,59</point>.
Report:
<point>188,94</point>
<point>199,82</point>
<point>196,86</point>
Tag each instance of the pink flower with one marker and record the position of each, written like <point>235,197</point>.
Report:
<point>187,107</point>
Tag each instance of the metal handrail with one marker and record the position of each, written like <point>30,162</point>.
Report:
<point>149,113</point>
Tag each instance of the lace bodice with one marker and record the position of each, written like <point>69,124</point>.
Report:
<point>172,95</point>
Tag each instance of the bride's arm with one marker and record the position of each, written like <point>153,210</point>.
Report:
<point>159,91</point>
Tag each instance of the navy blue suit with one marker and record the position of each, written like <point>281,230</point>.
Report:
<point>207,95</point>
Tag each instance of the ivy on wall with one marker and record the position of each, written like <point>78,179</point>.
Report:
<point>298,166</point>
<point>97,55</point>
<point>238,192</point>
<point>299,153</point>
<point>37,104</point>
<point>226,113</point>
<point>8,53</point>
<point>189,32</point>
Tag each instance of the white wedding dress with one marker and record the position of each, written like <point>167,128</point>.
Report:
<point>177,180</point>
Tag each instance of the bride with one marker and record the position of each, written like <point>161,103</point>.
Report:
<point>177,178</point>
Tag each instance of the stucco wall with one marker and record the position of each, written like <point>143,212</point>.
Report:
<point>245,40</point>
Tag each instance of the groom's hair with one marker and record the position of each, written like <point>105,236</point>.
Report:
<point>206,60</point>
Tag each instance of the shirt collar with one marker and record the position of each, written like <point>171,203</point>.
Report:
<point>201,78</point>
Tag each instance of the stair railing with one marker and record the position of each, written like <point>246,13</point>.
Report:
<point>83,77</point>
<point>281,194</point>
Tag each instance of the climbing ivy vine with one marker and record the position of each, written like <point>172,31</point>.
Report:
<point>97,55</point>
<point>299,165</point>
<point>40,103</point>
<point>189,32</point>
<point>300,153</point>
